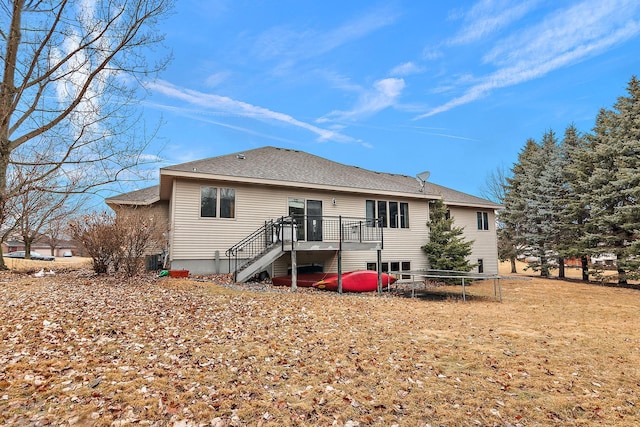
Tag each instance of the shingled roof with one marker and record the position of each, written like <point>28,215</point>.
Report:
<point>145,196</point>
<point>302,169</point>
<point>286,165</point>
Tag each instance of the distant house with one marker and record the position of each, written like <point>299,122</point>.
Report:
<point>265,210</point>
<point>41,246</point>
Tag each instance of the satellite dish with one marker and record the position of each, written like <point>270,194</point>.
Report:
<point>422,177</point>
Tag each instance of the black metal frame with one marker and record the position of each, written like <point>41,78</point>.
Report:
<point>284,230</point>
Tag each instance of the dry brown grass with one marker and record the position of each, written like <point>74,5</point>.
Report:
<point>85,350</point>
<point>61,263</point>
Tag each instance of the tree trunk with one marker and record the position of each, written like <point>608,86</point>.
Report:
<point>513,265</point>
<point>27,247</point>
<point>622,276</point>
<point>544,267</point>
<point>4,164</point>
<point>7,93</point>
<point>561,268</point>
<point>585,268</point>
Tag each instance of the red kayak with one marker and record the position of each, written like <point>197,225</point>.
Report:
<point>304,280</point>
<point>356,281</point>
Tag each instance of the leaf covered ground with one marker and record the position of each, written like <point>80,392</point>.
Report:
<point>82,350</point>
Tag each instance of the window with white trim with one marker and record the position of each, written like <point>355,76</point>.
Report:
<point>483,220</point>
<point>391,214</point>
<point>209,206</point>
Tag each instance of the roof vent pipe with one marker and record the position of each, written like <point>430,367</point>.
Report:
<point>240,156</point>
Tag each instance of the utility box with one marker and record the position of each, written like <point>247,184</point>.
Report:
<point>154,262</point>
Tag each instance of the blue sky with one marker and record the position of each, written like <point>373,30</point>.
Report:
<point>454,88</point>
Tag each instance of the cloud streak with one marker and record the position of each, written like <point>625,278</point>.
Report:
<point>562,39</point>
<point>223,105</point>
<point>295,44</point>
<point>384,94</point>
<point>489,16</point>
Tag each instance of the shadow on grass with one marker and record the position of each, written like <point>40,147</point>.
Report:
<point>435,294</point>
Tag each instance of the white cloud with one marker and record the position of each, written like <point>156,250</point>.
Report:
<point>292,45</point>
<point>566,37</point>
<point>215,79</point>
<point>489,16</point>
<point>226,106</point>
<point>406,69</point>
<point>431,53</point>
<point>384,94</point>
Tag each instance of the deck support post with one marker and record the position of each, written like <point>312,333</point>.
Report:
<point>340,255</point>
<point>294,271</point>
<point>379,268</point>
<point>339,271</point>
<point>464,294</point>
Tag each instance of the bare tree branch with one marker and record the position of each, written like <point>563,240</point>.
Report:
<point>71,74</point>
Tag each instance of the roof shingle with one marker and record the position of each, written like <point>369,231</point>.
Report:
<point>293,166</point>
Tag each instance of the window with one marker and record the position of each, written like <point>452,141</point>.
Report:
<point>483,220</point>
<point>370,207</point>
<point>382,212</point>
<point>209,202</point>
<point>227,203</point>
<point>396,266</point>
<point>393,214</point>
<point>404,215</point>
<point>390,214</point>
<point>480,265</point>
<point>406,266</point>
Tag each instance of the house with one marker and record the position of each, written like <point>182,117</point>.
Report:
<point>265,210</point>
<point>41,246</point>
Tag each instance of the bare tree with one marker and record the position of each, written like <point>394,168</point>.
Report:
<point>99,237</point>
<point>55,231</point>
<point>35,206</point>
<point>494,189</point>
<point>122,241</point>
<point>143,232</point>
<point>494,185</point>
<point>70,82</point>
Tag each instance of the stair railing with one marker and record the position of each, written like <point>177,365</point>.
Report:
<point>257,243</point>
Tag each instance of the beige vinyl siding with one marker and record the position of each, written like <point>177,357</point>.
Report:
<point>194,237</point>
<point>485,246</point>
<point>400,244</point>
<point>159,210</point>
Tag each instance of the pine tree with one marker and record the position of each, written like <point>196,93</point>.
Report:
<point>575,213</point>
<point>614,185</point>
<point>545,204</point>
<point>518,194</point>
<point>447,248</point>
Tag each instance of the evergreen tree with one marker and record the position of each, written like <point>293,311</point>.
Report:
<point>545,203</point>
<point>447,248</point>
<point>519,191</point>
<point>575,214</point>
<point>615,182</point>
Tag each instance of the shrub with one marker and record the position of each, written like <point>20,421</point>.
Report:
<point>98,235</point>
<point>115,242</point>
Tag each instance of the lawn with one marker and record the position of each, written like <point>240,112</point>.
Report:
<point>85,350</point>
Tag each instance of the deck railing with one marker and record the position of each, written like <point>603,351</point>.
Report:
<point>298,228</point>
